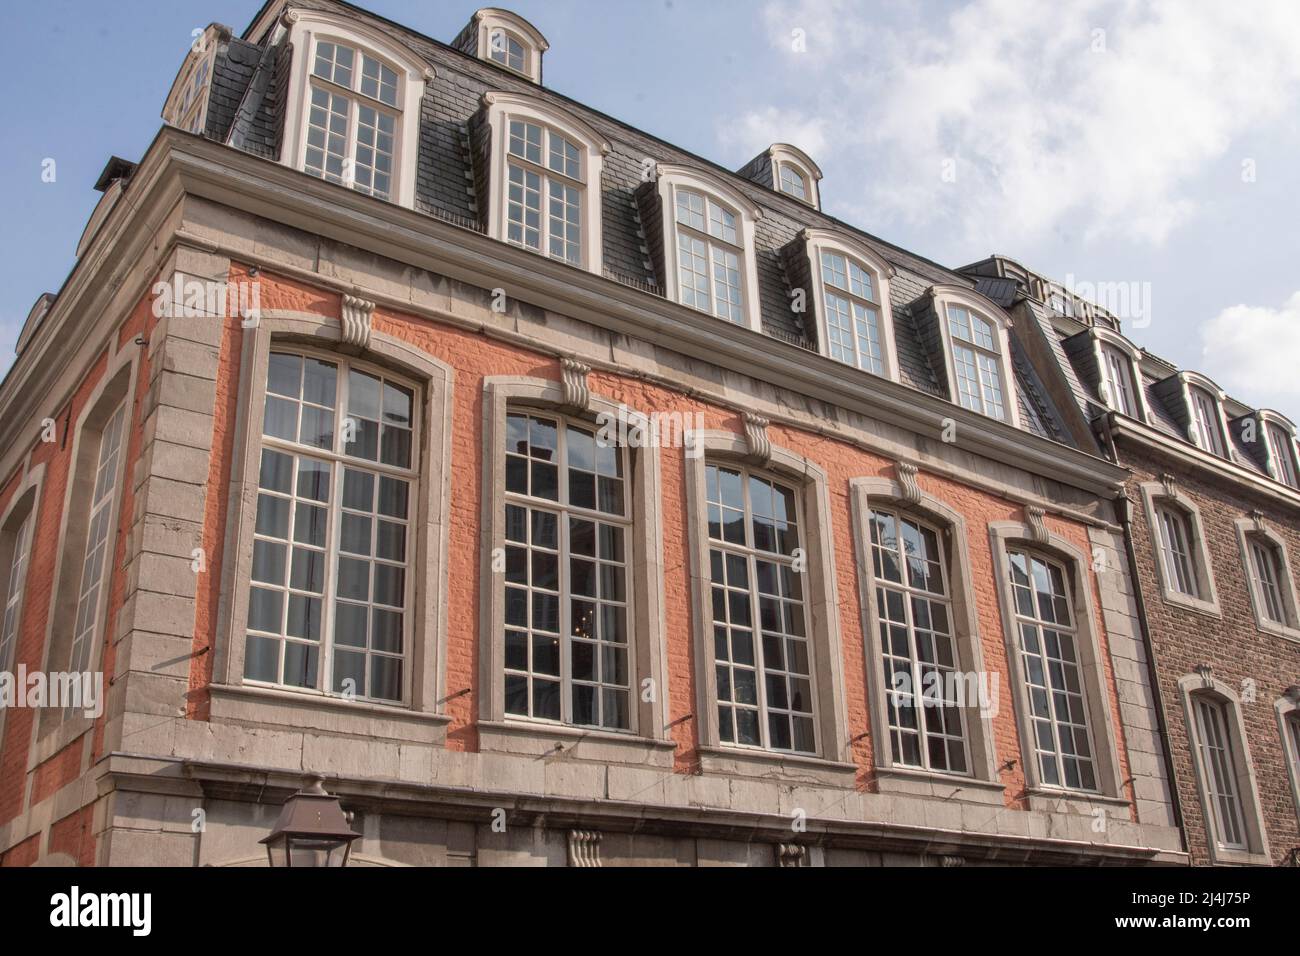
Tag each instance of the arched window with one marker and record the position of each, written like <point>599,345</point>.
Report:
<point>1268,571</point>
<point>1279,439</point>
<point>851,288</point>
<point>545,194</point>
<point>795,174</point>
<point>708,234</point>
<point>508,40</point>
<point>1182,560</point>
<point>354,107</point>
<point>977,353</point>
<point>1119,377</point>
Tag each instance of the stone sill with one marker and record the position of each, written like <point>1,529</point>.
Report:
<point>769,765</point>
<point>907,781</point>
<point>535,739</point>
<point>326,715</point>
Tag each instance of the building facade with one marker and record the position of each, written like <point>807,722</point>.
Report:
<point>1213,516</point>
<point>559,496</point>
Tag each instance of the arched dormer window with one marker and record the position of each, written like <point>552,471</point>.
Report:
<point>546,169</point>
<point>510,41</point>
<point>1119,376</point>
<point>354,106</point>
<point>187,103</point>
<point>1278,435</point>
<point>1205,407</point>
<point>795,174</point>
<point>976,353</point>
<point>851,289</point>
<point>708,230</point>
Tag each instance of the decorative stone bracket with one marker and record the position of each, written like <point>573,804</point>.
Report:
<point>791,854</point>
<point>584,848</point>
<point>356,319</point>
<point>573,378</point>
<point>1037,527</point>
<point>906,474</point>
<point>756,439</point>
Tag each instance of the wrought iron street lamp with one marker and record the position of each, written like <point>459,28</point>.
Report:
<point>312,830</point>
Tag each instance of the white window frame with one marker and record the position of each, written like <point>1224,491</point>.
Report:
<point>1287,710</point>
<point>1280,441</point>
<point>946,297</point>
<point>305,30</point>
<point>490,22</point>
<point>669,180</point>
<point>820,241</point>
<point>1278,612</point>
<point>1254,849</point>
<point>15,578</point>
<point>784,156</point>
<point>1157,496</point>
<point>1207,428</point>
<point>504,108</point>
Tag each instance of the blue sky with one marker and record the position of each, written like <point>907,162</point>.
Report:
<point>1097,141</point>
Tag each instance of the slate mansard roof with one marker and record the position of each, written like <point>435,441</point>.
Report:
<point>247,109</point>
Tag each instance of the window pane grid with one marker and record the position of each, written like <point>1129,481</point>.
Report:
<point>927,729</point>
<point>852,317</point>
<point>567,603</point>
<point>1174,538</point>
<point>761,652</point>
<point>1049,655</point>
<point>1284,454</point>
<point>709,257</point>
<point>14,594</point>
<point>1220,773</point>
<point>977,363</point>
<point>1266,574</point>
<point>1207,423</point>
<point>544,163</point>
<point>99,539</point>
<point>1119,382</point>
<point>330,585</point>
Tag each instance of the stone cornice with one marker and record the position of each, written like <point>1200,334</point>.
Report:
<point>178,164</point>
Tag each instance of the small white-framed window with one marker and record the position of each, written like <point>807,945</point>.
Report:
<point>919,656</point>
<point>568,604</point>
<point>187,102</point>
<point>1266,576</point>
<point>509,41</point>
<point>1049,650</point>
<point>1219,771</point>
<point>14,591</point>
<point>794,173</point>
<point>793,181</point>
<point>1281,445</point>
<point>330,587</point>
<point>762,660</point>
<point>99,541</point>
<point>1117,380</point>
<point>546,194</point>
<point>507,49</point>
<point>978,362</point>
<point>1176,556</point>
<point>354,107</point>
<point>850,285</point>
<point>1268,571</point>
<point>1287,709</point>
<point>1206,419</point>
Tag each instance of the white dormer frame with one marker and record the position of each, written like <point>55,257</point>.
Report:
<point>944,296</point>
<point>1105,338</point>
<point>1266,420</point>
<point>817,241</point>
<point>1192,382</point>
<point>783,154</point>
<point>502,108</point>
<point>308,27</point>
<point>186,106</point>
<point>491,21</point>
<point>671,178</point>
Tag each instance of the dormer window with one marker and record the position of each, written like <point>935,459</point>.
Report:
<point>1117,381</point>
<point>787,170</point>
<point>187,103</point>
<point>356,97</point>
<point>851,291</point>
<point>976,351</point>
<point>793,182</point>
<point>1205,417</point>
<point>708,245</point>
<point>507,40</point>
<point>545,194</point>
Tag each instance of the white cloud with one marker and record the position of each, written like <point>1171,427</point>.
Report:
<point>1254,348</point>
<point>1050,123</point>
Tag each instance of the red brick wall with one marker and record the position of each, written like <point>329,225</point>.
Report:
<point>474,357</point>
<point>1231,644</point>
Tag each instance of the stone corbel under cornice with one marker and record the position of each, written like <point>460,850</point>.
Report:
<point>757,442</point>
<point>573,379</point>
<point>1037,526</point>
<point>906,474</point>
<point>357,317</point>
<point>584,848</point>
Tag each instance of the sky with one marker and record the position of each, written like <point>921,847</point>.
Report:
<point>1147,153</point>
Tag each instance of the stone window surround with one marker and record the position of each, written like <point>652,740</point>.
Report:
<point>24,505</point>
<point>943,296</point>
<point>501,108</point>
<point>490,20</point>
<point>668,179</point>
<point>1246,528</point>
<point>1264,418</point>
<point>982,783</point>
<point>1110,792</point>
<point>1189,687</point>
<point>1287,709</point>
<point>305,28</point>
<point>424,719</point>
<point>1103,338</point>
<point>1193,382</point>
<point>831,765</point>
<point>817,241</point>
<point>56,728</point>
<point>1155,493</point>
<point>647,741</point>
